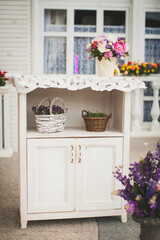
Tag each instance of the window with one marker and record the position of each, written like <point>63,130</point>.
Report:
<point>152,37</point>
<point>114,21</point>
<point>66,32</point>
<point>55,41</point>
<point>152,54</point>
<point>84,20</point>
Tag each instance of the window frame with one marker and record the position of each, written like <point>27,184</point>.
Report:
<point>38,60</point>
<point>148,36</point>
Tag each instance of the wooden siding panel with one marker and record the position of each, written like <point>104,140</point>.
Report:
<point>13,54</point>
<point>14,40</point>
<point>13,3</point>
<point>15,50</point>
<point>14,7</point>
<point>12,16</point>
<point>15,35</point>
<point>11,28</point>
<point>5,22</point>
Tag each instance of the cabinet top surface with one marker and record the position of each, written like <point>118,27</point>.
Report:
<point>74,132</point>
<point>28,83</point>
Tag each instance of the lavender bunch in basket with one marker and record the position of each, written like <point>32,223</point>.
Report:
<point>45,110</point>
<point>142,186</point>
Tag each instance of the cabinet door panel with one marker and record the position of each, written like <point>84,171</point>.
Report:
<point>95,181</point>
<point>51,175</point>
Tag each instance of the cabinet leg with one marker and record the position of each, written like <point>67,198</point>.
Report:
<point>124,217</point>
<point>23,224</point>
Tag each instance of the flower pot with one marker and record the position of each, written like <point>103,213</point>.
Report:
<point>96,124</point>
<point>106,67</point>
<point>150,227</point>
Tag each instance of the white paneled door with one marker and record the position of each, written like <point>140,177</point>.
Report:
<point>96,160</point>
<point>51,175</point>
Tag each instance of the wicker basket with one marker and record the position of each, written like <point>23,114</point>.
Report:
<point>53,122</point>
<point>95,124</point>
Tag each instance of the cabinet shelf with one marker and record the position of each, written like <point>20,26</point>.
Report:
<point>74,132</point>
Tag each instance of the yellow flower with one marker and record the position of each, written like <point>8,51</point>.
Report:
<point>123,69</point>
<point>144,71</point>
<point>148,70</point>
<point>138,197</point>
<point>115,71</point>
<point>152,200</point>
<point>152,70</point>
<point>120,166</point>
<point>124,65</point>
<point>144,64</point>
<point>115,192</point>
<point>141,157</point>
<point>137,71</point>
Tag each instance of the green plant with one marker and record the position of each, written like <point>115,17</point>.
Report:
<point>94,114</point>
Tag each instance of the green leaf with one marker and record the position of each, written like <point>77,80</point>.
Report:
<point>137,190</point>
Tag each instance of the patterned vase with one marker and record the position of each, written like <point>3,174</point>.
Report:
<point>106,68</point>
<point>150,227</point>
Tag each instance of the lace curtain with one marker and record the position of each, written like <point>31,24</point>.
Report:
<point>54,55</point>
<point>55,50</point>
<point>152,50</point>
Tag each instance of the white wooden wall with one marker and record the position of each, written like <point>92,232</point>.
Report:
<point>15,49</point>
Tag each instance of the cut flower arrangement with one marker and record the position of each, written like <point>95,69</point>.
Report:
<point>107,46</point>
<point>138,69</point>
<point>45,110</point>
<point>142,186</point>
<point>51,118</point>
<point>3,79</point>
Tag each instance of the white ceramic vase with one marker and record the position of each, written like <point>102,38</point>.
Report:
<point>106,68</point>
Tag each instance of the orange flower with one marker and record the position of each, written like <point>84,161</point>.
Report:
<point>126,73</point>
<point>132,68</point>
<point>155,65</point>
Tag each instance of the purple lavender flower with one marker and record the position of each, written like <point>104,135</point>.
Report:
<point>45,110</point>
<point>142,186</point>
<point>130,207</point>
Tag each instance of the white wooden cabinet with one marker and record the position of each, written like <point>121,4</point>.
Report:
<point>69,174</point>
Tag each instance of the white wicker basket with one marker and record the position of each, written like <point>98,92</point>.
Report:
<point>53,122</point>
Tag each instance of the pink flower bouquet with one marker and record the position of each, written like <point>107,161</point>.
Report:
<point>107,46</point>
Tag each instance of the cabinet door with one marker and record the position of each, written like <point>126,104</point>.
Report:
<point>96,160</point>
<point>51,175</point>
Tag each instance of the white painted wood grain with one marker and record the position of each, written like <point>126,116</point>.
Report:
<point>51,175</point>
<point>96,160</point>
